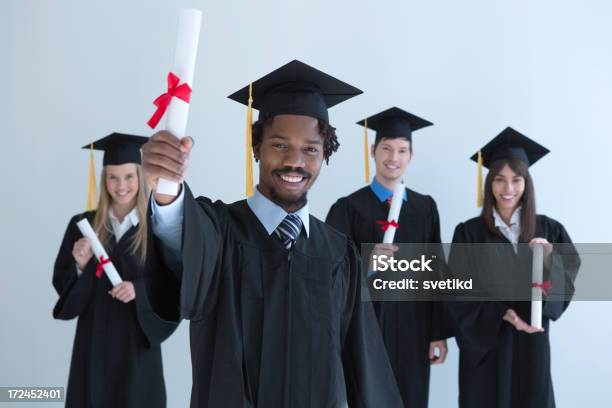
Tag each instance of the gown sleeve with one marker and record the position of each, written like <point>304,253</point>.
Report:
<point>440,324</point>
<point>369,378</point>
<point>74,290</point>
<point>339,217</point>
<point>477,324</point>
<point>153,326</point>
<point>562,273</point>
<point>185,289</point>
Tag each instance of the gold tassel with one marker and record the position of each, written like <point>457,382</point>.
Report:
<point>91,193</point>
<point>366,155</point>
<point>479,193</point>
<point>249,143</point>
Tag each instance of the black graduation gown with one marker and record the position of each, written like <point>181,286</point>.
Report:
<point>116,356</point>
<point>500,367</point>
<point>272,327</point>
<point>407,327</point>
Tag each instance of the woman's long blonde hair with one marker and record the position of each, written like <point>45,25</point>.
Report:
<point>102,224</point>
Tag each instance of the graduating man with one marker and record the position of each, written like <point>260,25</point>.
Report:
<point>413,332</point>
<point>273,294</point>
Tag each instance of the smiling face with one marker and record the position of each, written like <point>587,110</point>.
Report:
<point>122,183</point>
<point>392,157</point>
<point>508,188</point>
<point>290,157</point>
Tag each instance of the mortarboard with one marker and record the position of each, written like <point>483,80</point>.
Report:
<point>509,144</point>
<point>391,123</point>
<point>295,88</point>
<point>119,148</point>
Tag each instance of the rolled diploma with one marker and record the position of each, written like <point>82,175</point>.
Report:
<point>537,275</point>
<point>99,251</point>
<point>394,211</point>
<point>184,65</point>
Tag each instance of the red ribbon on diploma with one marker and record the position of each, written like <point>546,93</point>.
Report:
<point>544,286</point>
<point>182,91</point>
<point>384,225</point>
<point>99,267</point>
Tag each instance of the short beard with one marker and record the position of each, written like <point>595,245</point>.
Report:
<point>288,203</point>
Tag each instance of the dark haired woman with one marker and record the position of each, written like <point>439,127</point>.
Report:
<point>116,356</point>
<point>504,361</point>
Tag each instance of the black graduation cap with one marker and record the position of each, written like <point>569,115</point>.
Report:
<point>293,89</point>
<point>296,88</point>
<point>119,148</point>
<point>394,122</point>
<point>511,144</point>
<point>391,123</point>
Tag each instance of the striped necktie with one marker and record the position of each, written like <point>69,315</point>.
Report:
<point>289,229</point>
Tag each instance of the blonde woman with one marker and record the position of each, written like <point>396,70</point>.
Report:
<point>116,357</point>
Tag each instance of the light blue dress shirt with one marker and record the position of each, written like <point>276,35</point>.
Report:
<point>382,192</point>
<point>271,215</point>
<point>167,220</point>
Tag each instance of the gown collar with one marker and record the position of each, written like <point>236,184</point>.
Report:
<point>382,192</point>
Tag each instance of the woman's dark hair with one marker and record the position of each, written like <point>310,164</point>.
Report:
<point>528,211</point>
<point>327,132</point>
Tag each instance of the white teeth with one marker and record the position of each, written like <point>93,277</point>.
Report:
<point>291,179</point>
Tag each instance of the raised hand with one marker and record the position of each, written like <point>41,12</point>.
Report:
<point>165,156</point>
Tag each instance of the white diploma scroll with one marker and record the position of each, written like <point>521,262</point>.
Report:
<point>394,211</point>
<point>99,251</point>
<point>537,276</point>
<point>184,65</point>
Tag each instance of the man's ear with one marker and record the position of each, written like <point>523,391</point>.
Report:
<point>256,151</point>
<point>372,149</point>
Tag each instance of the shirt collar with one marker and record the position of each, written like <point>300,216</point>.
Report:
<point>271,214</point>
<point>515,219</point>
<point>132,217</point>
<point>382,192</point>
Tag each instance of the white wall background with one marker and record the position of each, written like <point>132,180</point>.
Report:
<point>73,71</point>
